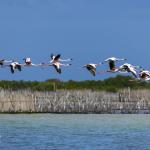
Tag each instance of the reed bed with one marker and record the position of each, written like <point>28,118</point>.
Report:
<point>75,101</point>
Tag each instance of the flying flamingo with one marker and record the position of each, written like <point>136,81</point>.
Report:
<point>57,58</point>
<point>129,68</point>
<point>112,63</point>
<point>14,66</point>
<point>91,68</point>
<point>144,75</point>
<point>57,66</point>
<point>29,63</point>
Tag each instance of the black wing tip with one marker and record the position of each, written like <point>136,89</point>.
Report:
<point>59,71</point>
<point>52,56</point>
<point>58,55</point>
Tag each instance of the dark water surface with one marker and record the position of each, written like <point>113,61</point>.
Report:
<point>76,132</point>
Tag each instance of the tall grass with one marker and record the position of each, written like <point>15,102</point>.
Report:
<point>75,101</point>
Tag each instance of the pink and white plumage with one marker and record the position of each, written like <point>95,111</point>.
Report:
<point>58,59</point>
<point>91,68</point>
<point>112,63</point>
<point>28,62</point>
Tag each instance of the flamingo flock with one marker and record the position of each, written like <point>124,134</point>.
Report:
<point>55,61</point>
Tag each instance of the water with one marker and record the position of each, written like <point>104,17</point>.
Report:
<point>74,132</point>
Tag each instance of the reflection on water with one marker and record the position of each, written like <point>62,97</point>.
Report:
<point>90,132</point>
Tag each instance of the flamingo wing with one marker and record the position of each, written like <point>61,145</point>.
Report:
<point>57,69</point>
<point>2,62</point>
<point>134,74</point>
<point>12,69</point>
<point>112,65</point>
<point>133,71</point>
<point>143,75</point>
<point>19,67</point>
<point>57,57</point>
<point>91,69</point>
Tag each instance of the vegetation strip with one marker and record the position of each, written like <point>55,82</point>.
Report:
<point>110,84</point>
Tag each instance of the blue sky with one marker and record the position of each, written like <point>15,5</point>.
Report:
<point>85,30</point>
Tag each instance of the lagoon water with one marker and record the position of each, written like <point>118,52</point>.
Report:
<point>74,132</point>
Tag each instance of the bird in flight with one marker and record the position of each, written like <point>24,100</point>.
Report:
<point>55,62</point>
<point>58,59</point>
<point>112,63</point>
<point>28,62</point>
<point>57,66</point>
<point>144,75</point>
<point>129,68</point>
<point>91,68</point>
<point>15,66</point>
